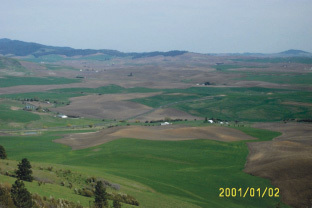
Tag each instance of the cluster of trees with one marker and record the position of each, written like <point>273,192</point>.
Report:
<point>166,119</point>
<point>22,198</point>
<point>18,193</point>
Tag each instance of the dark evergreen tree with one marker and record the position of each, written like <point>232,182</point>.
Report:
<point>3,154</point>
<point>116,204</point>
<point>100,195</point>
<point>24,171</point>
<point>20,196</point>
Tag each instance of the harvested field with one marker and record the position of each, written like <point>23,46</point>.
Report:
<point>286,161</point>
<point>108,106</point>
<point>167,112</point>
<point>164,133</point>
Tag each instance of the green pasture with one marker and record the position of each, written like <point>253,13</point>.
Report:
<point>302,60</point>
<point>7,115</point>
<point>56,58</point>
<point>109,89</point>
<point>97,58</point>
<point>18,119</point>
<point>62,96</point>
<point>183,172</point>
<point>242,104</point>
<point>53,97</point>
<point>46,58</point>
<point>48,121</point>
<point>9,81</point>
<point>247,108</point>
<point>59,67</point>
<point>226,67</point>
<point>280,78</point>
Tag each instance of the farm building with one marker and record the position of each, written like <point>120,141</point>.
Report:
<point>62,116</point>
<point>165,123</point>
<point>29,106</point>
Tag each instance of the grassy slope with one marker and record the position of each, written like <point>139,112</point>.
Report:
<point>184,171</point>
<point>10,64</point>
<point>7,115</point>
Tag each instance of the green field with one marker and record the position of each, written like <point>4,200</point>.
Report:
<point>226,67</point>
<point>187,172</point>
<point>59,67</point>
<point>61,96</point>
<point>56,58</point>
<point>57,98</point>
<point>302,60</point>
<point>109,89</point>
<point>9,81</point>
<point>7,115</point>
<point>280,78</point>
<point>242,104</point>
<point>19,119</point>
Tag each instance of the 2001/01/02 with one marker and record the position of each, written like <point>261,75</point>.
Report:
<point>249,192</point>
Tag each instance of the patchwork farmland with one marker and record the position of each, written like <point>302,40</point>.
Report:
<point>187,130</point>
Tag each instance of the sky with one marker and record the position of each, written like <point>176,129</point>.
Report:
<point>204,26</point>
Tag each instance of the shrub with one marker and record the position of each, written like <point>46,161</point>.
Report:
<point>116,204</point>
<point>5,196</point>
<point>125,199</point>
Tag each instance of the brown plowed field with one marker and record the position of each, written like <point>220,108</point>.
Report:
<point>286,161</point>
<point>165,133</point>
<point>108,106</point>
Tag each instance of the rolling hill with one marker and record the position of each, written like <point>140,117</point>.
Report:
<point>20,48</point>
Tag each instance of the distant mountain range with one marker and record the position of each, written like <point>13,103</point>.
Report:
<point>295,53</point>
<point>20,48</point>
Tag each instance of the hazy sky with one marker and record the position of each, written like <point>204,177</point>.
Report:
<point>204,26</point>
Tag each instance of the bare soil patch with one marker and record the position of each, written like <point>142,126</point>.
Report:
<point>298,104</point>
<point>16,125</point>
<point>167,112</point>
<point>286,161</point>
<point>14,108</point>
<point>164,133</point>
<point>109,106</point>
